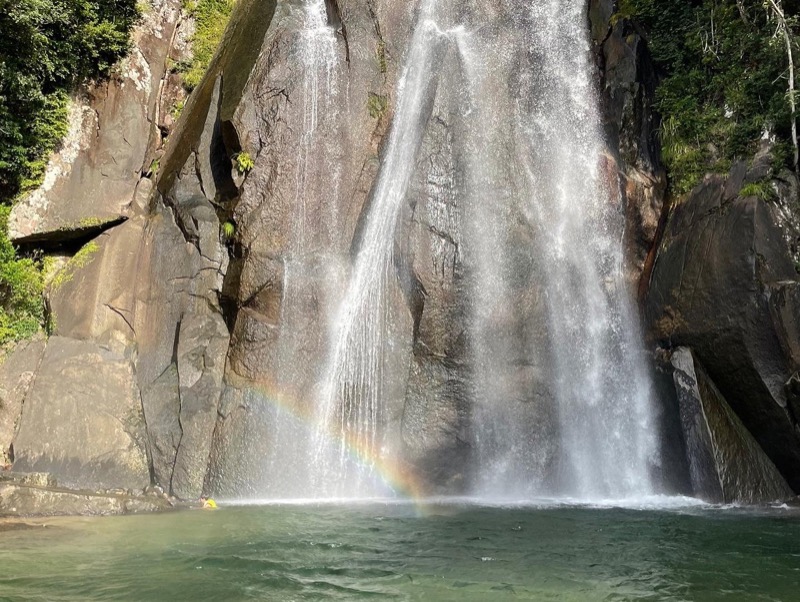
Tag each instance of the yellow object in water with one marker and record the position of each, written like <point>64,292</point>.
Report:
<point>210,504</point>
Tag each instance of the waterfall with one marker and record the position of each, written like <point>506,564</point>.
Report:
<point>352,398</point>
<point>561,398</point>
<point>588,369</point>
<point>602,390</point>
<point>286,470</point>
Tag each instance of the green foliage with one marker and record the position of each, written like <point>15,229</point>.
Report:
<point>47,48</point>
<point>244,163</point>
<point>211,18</point>
<point>177,110</point>
<point>381,52</point>
<point>377,105</point>
<point>152,171</point>
<point>21,301</point>
<point>724,80</point>
<point>760,190</point>
<point>228,230</point>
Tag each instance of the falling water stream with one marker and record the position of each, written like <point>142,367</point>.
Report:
<point>602,391</point>
<point>531,153</point>
<point>286,470</point>
<point>353,394</point>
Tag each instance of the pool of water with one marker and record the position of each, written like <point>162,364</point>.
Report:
<point>439,551</point>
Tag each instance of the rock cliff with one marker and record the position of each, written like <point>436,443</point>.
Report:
<point>170,331</point>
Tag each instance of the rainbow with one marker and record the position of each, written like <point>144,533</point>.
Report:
<point>398,476</point>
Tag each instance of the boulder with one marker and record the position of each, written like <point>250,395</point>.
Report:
<point>82,419</point>
<point>723,285</point>
<point>202,345</point>
<point>726,464</point>
<point>91,297</point>
<point>17,373</point>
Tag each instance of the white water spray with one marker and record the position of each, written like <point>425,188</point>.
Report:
<point>602,390</point>
<point>352,399</point>
<point>533,152</point>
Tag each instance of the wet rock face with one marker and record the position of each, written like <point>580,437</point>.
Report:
<point>627,84</point>
<point>724,285</point>
<point>193,325</point>
<point>314,115</point>
<point>726,464</point>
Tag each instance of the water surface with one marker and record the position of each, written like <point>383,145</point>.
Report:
<point>384,551</point>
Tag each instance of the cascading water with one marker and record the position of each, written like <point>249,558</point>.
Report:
<point>352,397</point>
<point>601,387</point>
<point>508,456</point>
<point>286,472</point>
<point>557,375</point>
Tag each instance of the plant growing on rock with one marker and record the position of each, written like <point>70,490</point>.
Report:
<point>80,260</point>
<point>760,190</point>
<point>377,105</point>
<point>244,162</point>
<point>211,18</point>
<point>177,110</point>
<point>21,285</point>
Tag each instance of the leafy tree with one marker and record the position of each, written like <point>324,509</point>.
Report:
<point>21,304</point>
<point>724,80</point>
<point>47,48</point>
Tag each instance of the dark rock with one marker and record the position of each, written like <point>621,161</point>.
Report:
<point>793,397</point>
<point>726,464</point>
<point>182,343</point>
<point>717,268</point>
<point>202,345</point>
<point>784,303</point>
<point>633,166</point>
<point>161,402</point>
<point>436,420</point>
<point>787,209</point>
<point>82,419</point>
<point>672,474</point>
<point>716,271</point>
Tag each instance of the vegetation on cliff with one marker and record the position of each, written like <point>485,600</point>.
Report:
<point>726,71</point>
<point>211,19</point>
<point>48,47</point>
<point>21,305</point>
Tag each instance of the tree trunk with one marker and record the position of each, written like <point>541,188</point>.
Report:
<point>787,36</point>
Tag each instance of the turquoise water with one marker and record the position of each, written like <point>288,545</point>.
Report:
<point>382,551</point>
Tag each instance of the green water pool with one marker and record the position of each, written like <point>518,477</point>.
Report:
<point>387,551</point>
